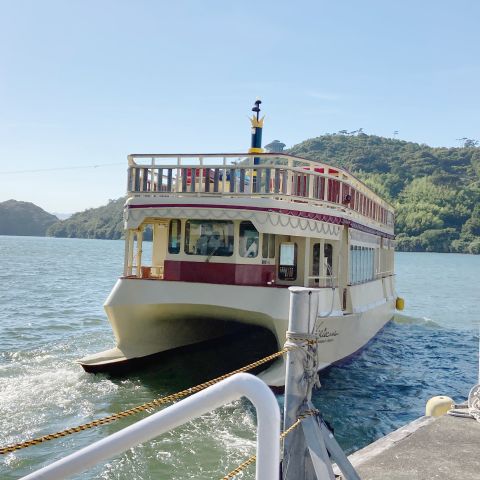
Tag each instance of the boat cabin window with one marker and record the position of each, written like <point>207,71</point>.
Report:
<point>362,264</point>
<point>268,247</point>
<point>287,265</point>
<point>209,237</point>
<point>249,240</point>
<point>174,233</point>
<point>327,260</point>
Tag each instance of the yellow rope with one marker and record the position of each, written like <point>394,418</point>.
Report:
<point>146,406</point>
<point>253,458</point>
<point>241,467</point>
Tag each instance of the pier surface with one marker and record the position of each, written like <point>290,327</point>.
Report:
<point>429,448</point>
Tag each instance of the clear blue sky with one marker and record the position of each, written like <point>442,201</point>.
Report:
<point>87,82</point>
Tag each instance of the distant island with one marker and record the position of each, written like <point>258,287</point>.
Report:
<point>435,191</point>
<point>24,218</point>
<point>103,222</point>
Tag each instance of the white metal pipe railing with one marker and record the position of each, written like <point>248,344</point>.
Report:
<point>233,388</point>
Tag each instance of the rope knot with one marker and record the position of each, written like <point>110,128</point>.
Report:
<point>301,339</point>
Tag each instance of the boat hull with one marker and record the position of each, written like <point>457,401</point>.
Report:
<point>149,317</point>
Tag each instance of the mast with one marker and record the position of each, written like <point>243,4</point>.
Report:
<point>256,144</point>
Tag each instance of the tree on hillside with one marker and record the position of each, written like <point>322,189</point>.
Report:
<point>434,189</point>
<point>468,142</point>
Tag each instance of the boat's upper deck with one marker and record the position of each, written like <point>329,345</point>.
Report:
<point>270,175</point>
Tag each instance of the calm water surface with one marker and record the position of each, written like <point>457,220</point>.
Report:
<point>51,296</point>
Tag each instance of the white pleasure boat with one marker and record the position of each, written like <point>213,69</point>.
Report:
<point>230,233</point>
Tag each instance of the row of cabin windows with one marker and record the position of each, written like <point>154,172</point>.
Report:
<point>216,238</point>
<point>362,264</point>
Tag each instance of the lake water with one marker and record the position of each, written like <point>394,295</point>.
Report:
<point>51,296</point>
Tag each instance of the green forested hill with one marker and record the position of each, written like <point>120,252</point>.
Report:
<point>435,191</point>
<point>102,222</point>
<point>24,218</point>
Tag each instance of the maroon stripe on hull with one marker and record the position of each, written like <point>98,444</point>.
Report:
<point>222,273</point>
<point>294,213</point>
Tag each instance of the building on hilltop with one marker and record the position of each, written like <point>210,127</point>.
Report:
<point>275,147</point>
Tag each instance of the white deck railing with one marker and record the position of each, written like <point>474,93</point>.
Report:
<point>276,175</point>
<point>233,388</point>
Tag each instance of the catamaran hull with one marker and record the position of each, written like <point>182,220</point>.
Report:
<point>149,317</point>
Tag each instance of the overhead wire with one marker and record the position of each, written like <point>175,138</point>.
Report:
<point>56,169</point>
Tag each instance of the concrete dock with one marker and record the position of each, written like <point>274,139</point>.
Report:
<point>428,448</point>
